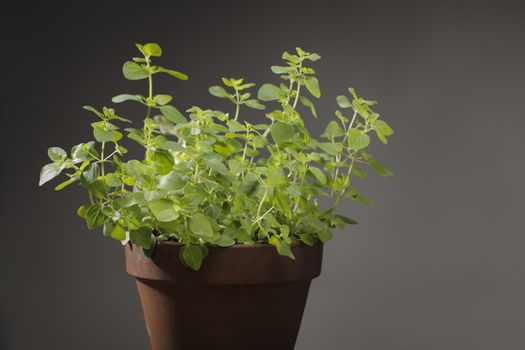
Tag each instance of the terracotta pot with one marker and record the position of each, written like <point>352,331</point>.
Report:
<point>246,297</point>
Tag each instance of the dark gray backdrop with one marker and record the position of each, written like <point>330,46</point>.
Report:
<point>436,263</point>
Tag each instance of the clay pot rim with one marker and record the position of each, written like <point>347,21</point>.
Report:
<point>264,245</point>
<point>235,265</point>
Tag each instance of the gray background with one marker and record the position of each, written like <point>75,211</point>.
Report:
<point>436,263</point>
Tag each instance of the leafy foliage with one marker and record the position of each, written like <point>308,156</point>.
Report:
<point>211,179</point>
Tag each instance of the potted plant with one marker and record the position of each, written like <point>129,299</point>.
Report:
<point>223,220</point>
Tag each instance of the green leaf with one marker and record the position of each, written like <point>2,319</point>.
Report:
<point>380,169</point>
<point>307,103</point>
<point>141,237</point>
<point>291,58</point>
<point>115,231</point>
<point>282,70</point>
<point>90,175</point>
<point>98,188</point>
<point>126,97</point>
<point>360,199</point>
<point>162,99</point>
<point>217,165</point>
<point>332,149</point>
<point>325,235</point>
<point>333,129</point>
<point>228,82</point>
<point>254,104</point>
<point>250,185</point>
<point>192,255</point>
<point>65,184</point>
<point>218,91</point>
<point>172,114</point>
<point>152,49</point>
<point>105,135</point>
<point>171,182</point>
<point>173,73</point>
<point>56,154</point>
<point>343,102</point>
<point>48,172</point>
<point>313,57</point>
<point>163,210</point>
<point>108,228</point>
<point>236,166</point>
<point>360,173</point>
<point>235,126</point>
<point>282,132</point>
<point>312,85</point>
<point>382,129</point>
<point>82,152</point>
<point>357,139</point>
<point>93,215</point>
<point>200,226</point>
<point>133,71</point>
<point>283,248</point>
<point>268,92</point>
<point>345,219</point>
<point>130,199</point>
<point>318,174</point>
<point>224,241</point>
<point>307,239</point>
<point>94,111</point>
<point>282,203</point>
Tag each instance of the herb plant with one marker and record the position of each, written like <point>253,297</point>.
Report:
<point>215,178</point>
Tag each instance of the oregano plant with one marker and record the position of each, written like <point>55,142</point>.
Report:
<point>210,177</point>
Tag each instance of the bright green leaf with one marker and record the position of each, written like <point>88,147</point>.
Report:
<point>282,202</point>
<point>48,172</point>
<point>379,168</point>
<point>318,174</point>
<point>282,70</point>
<point>332,149</point>
<point>133,71</point>
<point>312,85</point>
<point>282,132</point>
<point>334,129</point>
<point>343,102</point>
<point>200,226</point>
<point>357,139</point>
<point>325,235</point>
<point>268,92</point>
<point>171,182</point>
<point>162,99</point>
<point>192,255</point>
<point>172,114</point>
<point>224,241</point>
<point>173,73</point>
<point>65,184</point>
<point>127,97</point>
<point>307,103</point>
<point>218,91</point>
<point>164,210</point>
<point>141,237</point>
<point>254,104</point>
<point>152,49</point>
<point>56,154</point>
<point>283,248</point>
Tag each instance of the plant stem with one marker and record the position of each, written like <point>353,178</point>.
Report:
<point>146,130</point>
<point>103,160</point>
<point>297,94</point>
<point>347,180</point>
<point>298,87</point>
<point>237,109</point>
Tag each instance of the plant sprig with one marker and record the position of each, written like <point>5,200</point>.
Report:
<point>213,178</point>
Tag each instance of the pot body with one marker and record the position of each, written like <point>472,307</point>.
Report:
<point>245,297</point>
